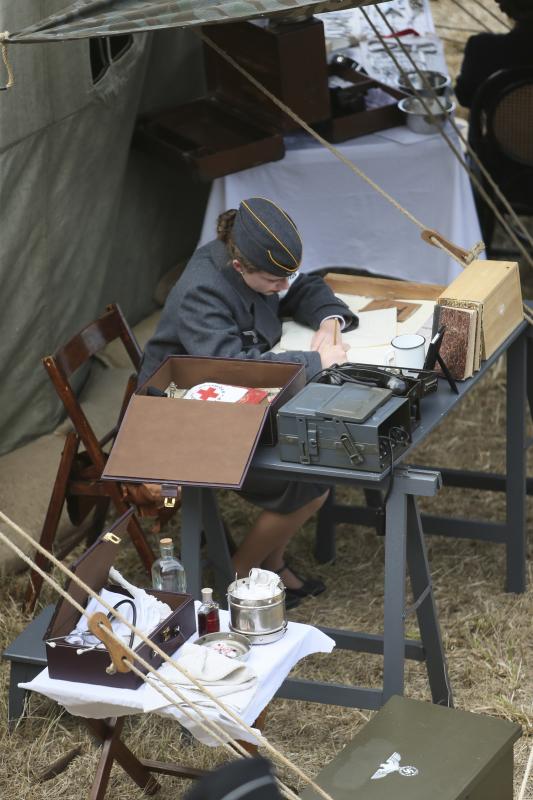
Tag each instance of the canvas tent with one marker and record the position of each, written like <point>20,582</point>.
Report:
<point>85,219</point>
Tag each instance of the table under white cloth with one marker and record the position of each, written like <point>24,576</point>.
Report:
<point>272,663</point>
<point>345,223</point>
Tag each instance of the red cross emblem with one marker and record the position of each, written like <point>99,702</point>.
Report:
<point>208,394</point>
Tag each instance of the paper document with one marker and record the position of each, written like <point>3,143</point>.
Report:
<point>369,342</point>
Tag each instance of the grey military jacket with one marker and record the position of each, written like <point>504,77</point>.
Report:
<point>212,312</point>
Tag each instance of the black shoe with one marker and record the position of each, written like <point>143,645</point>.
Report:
<point>310,586</point>
<point>291,600</point>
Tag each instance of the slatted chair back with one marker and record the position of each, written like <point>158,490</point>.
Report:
<point>501,121</point>
<point>78,480</point>
<point>511,123</point>
<point>68,359</point>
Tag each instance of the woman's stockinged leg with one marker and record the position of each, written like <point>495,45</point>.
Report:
<point>265,544</point>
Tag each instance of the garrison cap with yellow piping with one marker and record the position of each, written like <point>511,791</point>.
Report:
<point>267,237</point>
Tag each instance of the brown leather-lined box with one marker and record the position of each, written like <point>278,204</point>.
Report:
<point>177,442</point>
<point>75,662</point>
<point>347,124</point>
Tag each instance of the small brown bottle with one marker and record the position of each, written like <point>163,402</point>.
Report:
<point>208,618</point>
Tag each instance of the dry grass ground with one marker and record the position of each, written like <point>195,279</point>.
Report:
<point>487,633</point>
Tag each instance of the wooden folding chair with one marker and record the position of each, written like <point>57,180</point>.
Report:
<point>78,481</point>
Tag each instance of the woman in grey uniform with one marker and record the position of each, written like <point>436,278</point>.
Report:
<point>229,302</point>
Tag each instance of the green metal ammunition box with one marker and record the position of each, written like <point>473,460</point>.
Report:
<point>411,750</point>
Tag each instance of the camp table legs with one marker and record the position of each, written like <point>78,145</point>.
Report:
<point>515,483</point>
<point>512,533</point>
<point>139,769</point>
<point>404,552</point>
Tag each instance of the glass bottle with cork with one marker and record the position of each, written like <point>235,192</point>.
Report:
<point>168,574</point>
<point>208,617</point>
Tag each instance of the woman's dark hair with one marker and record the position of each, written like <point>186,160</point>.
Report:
<point>224,227</point>
<point>519,10</point>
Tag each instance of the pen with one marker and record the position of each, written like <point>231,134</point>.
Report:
<point>336,331</point>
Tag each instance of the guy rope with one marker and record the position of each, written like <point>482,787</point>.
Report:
<point>471,152</point>
<point>463,257</point>
<point>474,178</point>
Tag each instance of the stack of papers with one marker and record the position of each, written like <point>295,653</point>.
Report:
<point>370,342</point>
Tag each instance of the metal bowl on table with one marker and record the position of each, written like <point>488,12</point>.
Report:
<point>231,645</point>
<point>426,83</point>
<point>417,117</point>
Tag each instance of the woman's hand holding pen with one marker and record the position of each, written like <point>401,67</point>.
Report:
<point>329,345</point>
<point>328,333</point>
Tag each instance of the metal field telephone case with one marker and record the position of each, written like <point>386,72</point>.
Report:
<point>349,426</point>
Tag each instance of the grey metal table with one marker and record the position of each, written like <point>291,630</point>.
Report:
<point>404,534</point>
<point>404,543</point>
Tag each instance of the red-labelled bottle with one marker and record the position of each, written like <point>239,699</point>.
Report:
<point>208,618</point>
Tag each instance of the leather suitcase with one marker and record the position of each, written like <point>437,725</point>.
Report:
<point>64,662</point>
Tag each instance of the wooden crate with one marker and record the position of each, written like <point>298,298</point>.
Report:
<point>210,137</point>
<point>342,126</point>
<point>288,59</point>
<point>493,287</point>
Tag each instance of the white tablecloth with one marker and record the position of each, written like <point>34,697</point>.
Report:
<point>343,222</point>
<point>272,663</point>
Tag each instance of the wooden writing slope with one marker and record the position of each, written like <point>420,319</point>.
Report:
<point>367,286</point>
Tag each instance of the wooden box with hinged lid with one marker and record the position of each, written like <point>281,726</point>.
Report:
<point>176,442</point>
<point>287,58</point>
<point>209,136</point>
<point>350,117</point>
<point>70,662</point>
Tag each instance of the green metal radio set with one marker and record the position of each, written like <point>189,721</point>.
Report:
<point>362,418</point>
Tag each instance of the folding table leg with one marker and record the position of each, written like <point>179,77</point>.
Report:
<point>217,544</point>
<point>325,543</point>
<point>113,749</point>
<point>426,611</point>
<point>394,600</point>
<point>406,483</point>
<point>191,537</point>
<point>516,471</point>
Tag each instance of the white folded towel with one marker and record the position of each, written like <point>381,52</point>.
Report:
<point>222,676</point>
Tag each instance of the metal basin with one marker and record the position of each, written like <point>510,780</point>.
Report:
<point>256,617</point>
<point>419,120</point>
<point>432,83</point>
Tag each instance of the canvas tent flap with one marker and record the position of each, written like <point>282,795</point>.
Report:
<point>90,18</point>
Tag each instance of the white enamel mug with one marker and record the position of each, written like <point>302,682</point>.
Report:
<point>409,350</point>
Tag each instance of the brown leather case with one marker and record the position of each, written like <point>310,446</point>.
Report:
<point>93,568</point>
<point>178,442</point>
